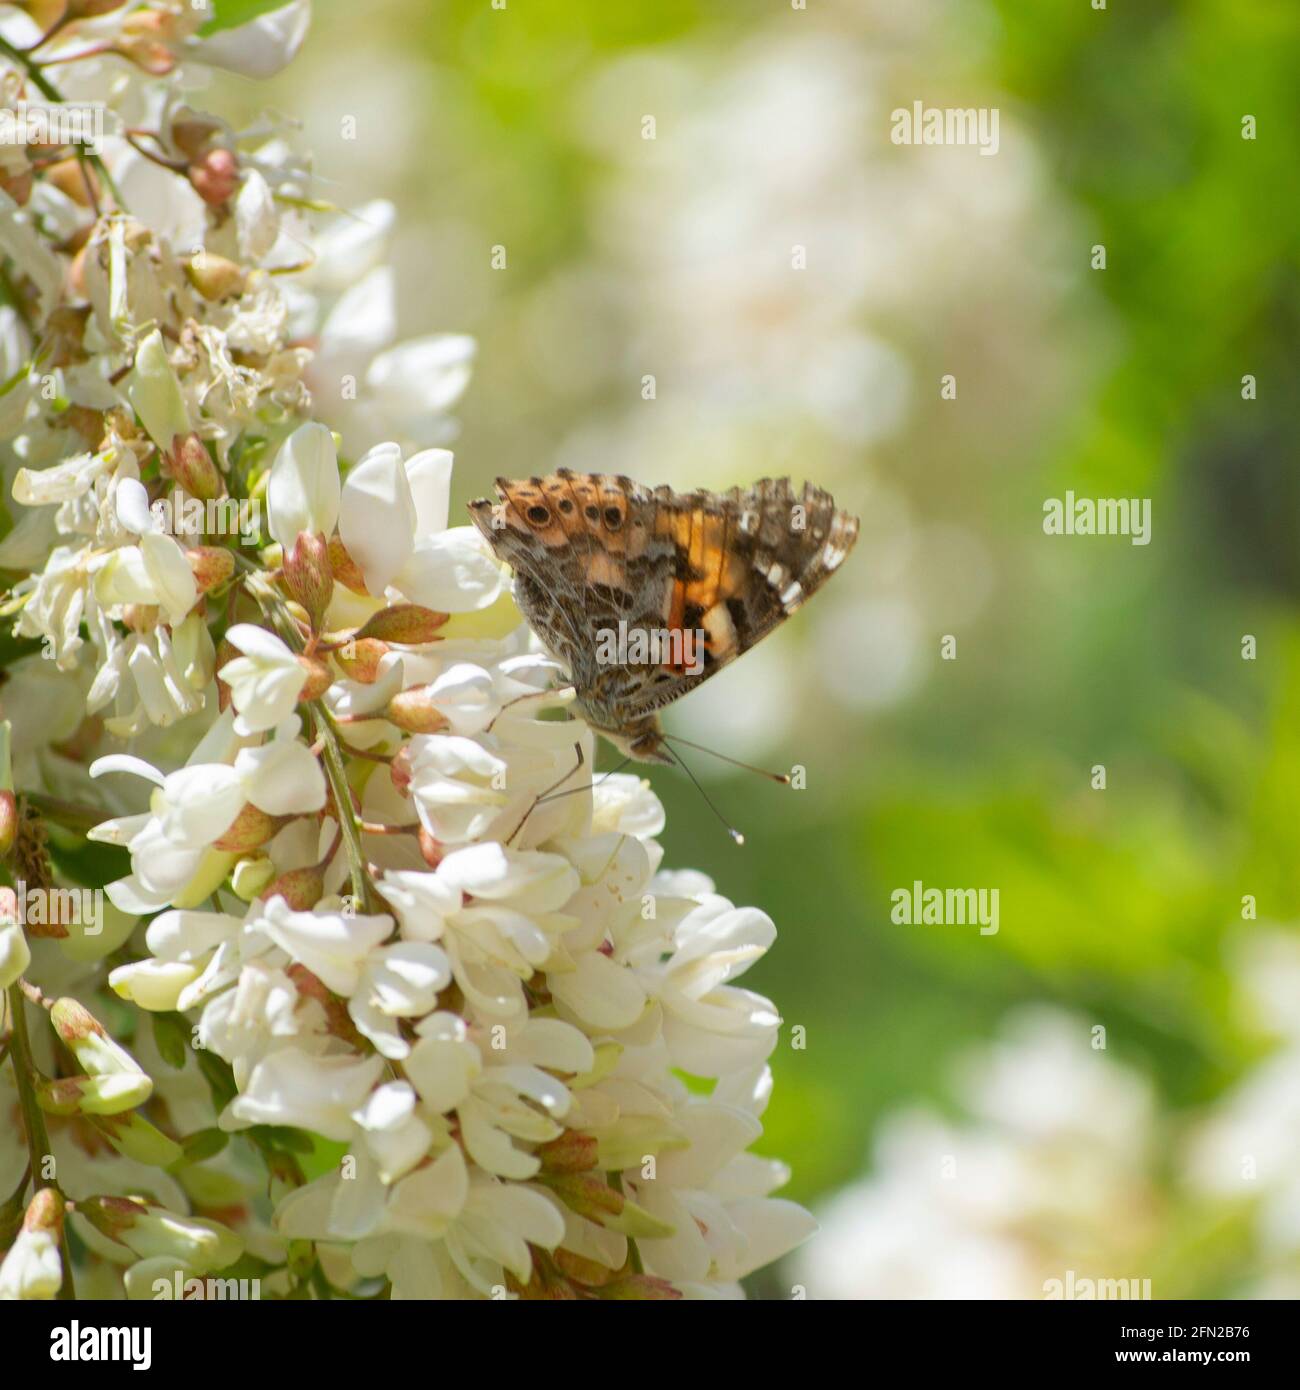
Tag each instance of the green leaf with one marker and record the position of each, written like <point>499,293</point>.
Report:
<point>171,1036</point>
<point>220,1079</point>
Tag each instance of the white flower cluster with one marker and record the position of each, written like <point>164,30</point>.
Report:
<point>1051,1182</point>
<point>373,895</point>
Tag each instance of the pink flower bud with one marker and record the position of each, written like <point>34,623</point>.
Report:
<point>215,176</point>
<point>302,889</point>
<point>191,465</point>
<point>360,659</point>
<point>346,570</point>
<point>319,678</point>
<point>250,829</point>
<point>404,623</point>
<point>414,712</point>
<point>308,578</point>
<point>211,566</point>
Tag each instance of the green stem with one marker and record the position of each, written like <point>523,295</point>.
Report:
<point>277,615</point>
<point>38,1138</point>
<point>332,757</point>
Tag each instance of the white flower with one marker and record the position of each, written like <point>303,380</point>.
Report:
<point>156,394</point>
<point>499,1092</point>
<point>398,390</point>
<point>302,493</point>
<point>394,524</point>
<point>265,682</point>
<point>32,1268</point>
<point>458,787</point>
<point>1054,1163</point>
<point>332,945</point>
<point>292,1087</point>
<point>15,955</point>
<point>394,1132</point>
<point>261,47</point>
<point>399,981</point>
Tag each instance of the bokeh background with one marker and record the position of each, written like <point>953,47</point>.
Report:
<point>953,1115</point>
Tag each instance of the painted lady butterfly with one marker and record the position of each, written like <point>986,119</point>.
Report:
<point>644,593</point>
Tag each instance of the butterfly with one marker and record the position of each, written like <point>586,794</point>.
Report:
<point>645,593</point>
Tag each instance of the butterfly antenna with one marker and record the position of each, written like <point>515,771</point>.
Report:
<point>782,777</point>
<point>730,829</point>
<point>542,796</point>
<point>590,786</point>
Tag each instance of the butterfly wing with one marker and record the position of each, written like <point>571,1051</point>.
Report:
<point>700,576</point>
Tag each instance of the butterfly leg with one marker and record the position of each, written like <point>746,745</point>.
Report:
<point>541,796</point>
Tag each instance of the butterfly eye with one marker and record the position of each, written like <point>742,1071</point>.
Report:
<point>593,513</point>
<point>613,518</point>
<point>539,516</point>
<point>565,505</point>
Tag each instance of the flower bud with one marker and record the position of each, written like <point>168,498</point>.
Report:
<point>214,277</point>
<point>153,1230</point>
<point>156,394</point>
<point>215,176</point>
<point>17,185</point>
<point>345,568</point>
<point>250,877</point>
<point>226,653</point>
<point>399,770</point>
<point>75,181</point>
<point>572,1152</point>
<point>143,41</point>
<point>191,132</point>
<point>302,889</point>
<point>33,1268</point>
<point>211,566</point>
<point>250,829</point>
<point>8,822</point>
<point>359,657</point>
<point>319,678</point>
<point>191,465</point>
<point>308,578</point>
<point>94,1095</point>
<point>15,954</point>
<point>153,984</point>
<point>431,849</point>
<point>405,623</point>
<point>89,1043</point>
<point>414,712</point>
<point>134,1137</point>
<point>591,1196</point>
